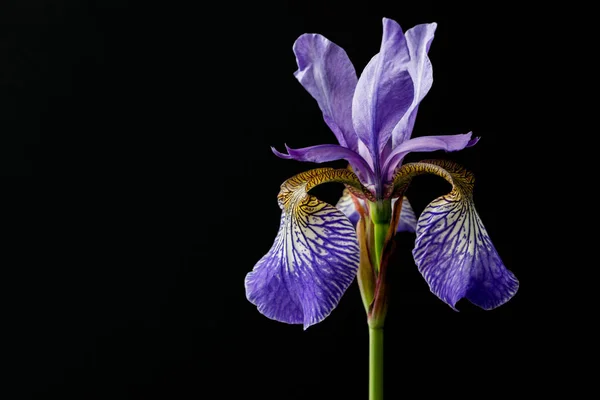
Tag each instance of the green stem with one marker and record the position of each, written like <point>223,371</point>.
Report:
<point>381,215</point>
<point>380,233</point>
<point>375,363</point>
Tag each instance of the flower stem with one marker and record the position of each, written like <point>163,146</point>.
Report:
<point>380,233</point>
<point>375,363</point>
<point>381,217</point>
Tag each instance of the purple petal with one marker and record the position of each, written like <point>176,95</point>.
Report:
<point>418,40</point>
<point>314,259</point>
<point>328,75</point>
<point>426,143</point>
<point>331,152</point>
<point>281,155</point>
<point>346,205</point>
<point>384,91</point>
<point>407,223</point>
<point>408,220</point>
<point>455,255</point>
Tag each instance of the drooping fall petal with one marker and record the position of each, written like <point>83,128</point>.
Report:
<point>453,250</point>
<point>315,256</point>
<point>327,73</point>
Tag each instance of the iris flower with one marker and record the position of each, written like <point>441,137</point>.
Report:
<point>320,249</point>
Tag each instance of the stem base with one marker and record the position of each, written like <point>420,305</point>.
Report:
<point>375,363</point>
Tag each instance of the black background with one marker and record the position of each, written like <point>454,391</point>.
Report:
<point>140,189</point>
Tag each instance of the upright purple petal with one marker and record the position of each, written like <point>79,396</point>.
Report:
<point>314,258</point>
<point>419,40</point>
<point>384,91</point>
<point>426,143</point>
<point>331,152</point>
<point>455,255</point>
<point>327,74</point>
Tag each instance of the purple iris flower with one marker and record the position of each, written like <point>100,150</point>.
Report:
<point>371,117</point>
<point>318,249</point>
